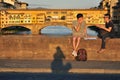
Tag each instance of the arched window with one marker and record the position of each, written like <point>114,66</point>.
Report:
<point>63,18</point>
<point>48,18</point>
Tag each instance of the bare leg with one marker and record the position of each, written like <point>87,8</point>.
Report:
<point>74,42</point>
<point>78,42</point>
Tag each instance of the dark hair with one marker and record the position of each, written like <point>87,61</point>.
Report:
<point>107,15</point>
<point>79,15</point>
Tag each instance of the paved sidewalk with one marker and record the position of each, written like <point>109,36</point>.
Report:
<point>60,66</point>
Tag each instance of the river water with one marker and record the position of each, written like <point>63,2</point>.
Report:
<point>63,31</point>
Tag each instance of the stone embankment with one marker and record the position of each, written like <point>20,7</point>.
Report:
<point>36,47</point>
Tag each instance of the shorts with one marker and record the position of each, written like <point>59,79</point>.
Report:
<point>82,35</point>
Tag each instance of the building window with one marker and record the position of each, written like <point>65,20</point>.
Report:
<point>63,12</point>
<point>21,21</point>
<point>55,12</point>
<point>63,18</point>
<point>48,12</point>
<point>33,17</point>
<point>29,21</point>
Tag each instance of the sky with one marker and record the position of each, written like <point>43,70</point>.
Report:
<point>62,4</point>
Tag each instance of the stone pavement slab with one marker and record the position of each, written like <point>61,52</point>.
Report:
<point>59,66</point>
<point>52,76</point>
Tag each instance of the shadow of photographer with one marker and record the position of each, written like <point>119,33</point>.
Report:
<point>57,64</point>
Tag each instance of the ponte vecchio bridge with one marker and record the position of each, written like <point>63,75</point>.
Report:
<point>37,19</point>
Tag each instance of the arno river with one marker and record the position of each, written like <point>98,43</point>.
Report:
<point>61,30</point>
<point>52,30</point>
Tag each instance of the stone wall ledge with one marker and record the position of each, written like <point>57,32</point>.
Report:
<point>35,47</point>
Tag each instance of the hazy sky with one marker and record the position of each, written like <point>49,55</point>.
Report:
<point>62,3</point>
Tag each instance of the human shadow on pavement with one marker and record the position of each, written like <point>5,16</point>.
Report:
<point>57,65</point>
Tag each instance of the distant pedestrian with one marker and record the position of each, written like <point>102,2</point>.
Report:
<point>79,31</point>
<point>106,31</point>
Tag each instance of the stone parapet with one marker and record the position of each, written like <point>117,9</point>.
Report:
<point>36,47</point>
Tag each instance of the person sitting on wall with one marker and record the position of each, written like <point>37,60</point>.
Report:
<point>105,31</point>
<point>79,31</point>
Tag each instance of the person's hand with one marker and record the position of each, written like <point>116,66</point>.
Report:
<point>100,26</point>
<point>75,27</point>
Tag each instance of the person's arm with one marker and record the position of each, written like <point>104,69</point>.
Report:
<point>77,28</point>
<point>103,27</point>
<point>85,29</point>
<point>107,29</point>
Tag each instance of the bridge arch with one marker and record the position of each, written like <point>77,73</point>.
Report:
<point>55,30</point>
<point>53,24</point>
<point>15,30</point>
<point>93,30</point>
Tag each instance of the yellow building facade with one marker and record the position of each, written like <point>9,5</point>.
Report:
<point>116,13</point>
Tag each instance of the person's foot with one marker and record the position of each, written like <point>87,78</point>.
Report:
<point>101,50</point>
<point>74,53</point>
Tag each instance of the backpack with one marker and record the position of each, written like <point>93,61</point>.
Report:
<point>81,55</point>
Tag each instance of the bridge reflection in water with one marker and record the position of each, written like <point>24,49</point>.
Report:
<point>49,30</point>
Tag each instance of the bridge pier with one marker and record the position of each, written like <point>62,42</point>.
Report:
<point>34,32</point>
<point>35,29</point>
